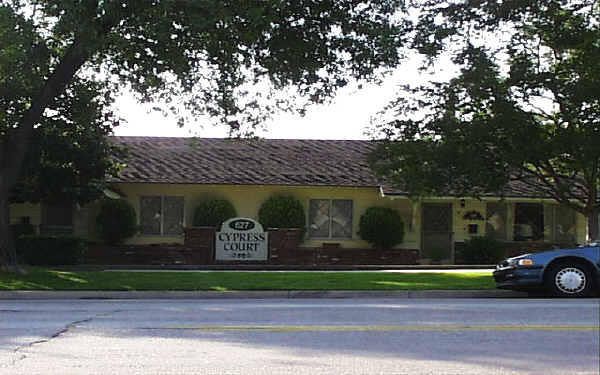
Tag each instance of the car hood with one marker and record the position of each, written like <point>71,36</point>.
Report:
<point>587,252</point>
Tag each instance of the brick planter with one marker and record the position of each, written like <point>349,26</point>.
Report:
<point>284,249</point>
<point>202,240</point>
<point>282,243</point>
<point>343,256</point>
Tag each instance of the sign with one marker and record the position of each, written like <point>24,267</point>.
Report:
<point>241,239</point>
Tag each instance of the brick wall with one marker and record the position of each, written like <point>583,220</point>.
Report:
<point>198,249</point>
<point>174,254</point>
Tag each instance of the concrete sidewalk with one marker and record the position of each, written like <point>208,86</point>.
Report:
<point>268,294</point>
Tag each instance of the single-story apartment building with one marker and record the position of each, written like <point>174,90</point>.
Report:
<point>165,178</point>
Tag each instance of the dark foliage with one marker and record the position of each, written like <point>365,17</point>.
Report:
<point>212,213</point>
<point>116,221</point>
<point>51,250</point>
<point>282,211</point>
<point>482,250</point>
<point>22,229</point>
<point>382,227</point>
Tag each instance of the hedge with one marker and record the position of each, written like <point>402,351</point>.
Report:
<point>51,250</point>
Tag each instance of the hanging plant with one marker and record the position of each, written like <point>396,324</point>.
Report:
<point>473,215</point>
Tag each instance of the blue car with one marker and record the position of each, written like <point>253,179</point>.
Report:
<point>565,272</point>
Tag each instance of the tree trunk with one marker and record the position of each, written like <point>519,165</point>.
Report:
<point>8,253</point>
<point>593,226</point>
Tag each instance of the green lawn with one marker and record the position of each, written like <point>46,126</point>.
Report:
<point>50,279</point>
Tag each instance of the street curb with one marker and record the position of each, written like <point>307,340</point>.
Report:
<point>258,294</point>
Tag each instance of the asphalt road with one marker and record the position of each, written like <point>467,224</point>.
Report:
<point>310,336</point>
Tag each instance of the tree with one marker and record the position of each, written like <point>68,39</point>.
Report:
<point>523,113</point>
<point>69,161</point>
<point>228,59</point>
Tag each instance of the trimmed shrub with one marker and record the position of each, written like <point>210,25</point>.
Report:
<point>51,250</point>
<point>382,227</point>
<point>213,212</point>
<point>282,211</point>
<point>482,250</point>
<point>116,221</point>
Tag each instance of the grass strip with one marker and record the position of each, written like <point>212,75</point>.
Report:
<point>52,279</point>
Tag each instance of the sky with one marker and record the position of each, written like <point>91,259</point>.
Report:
<point>347,117</point>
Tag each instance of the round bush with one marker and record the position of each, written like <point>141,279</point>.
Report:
<point>213,212</point>
<point>381,227</point>
<point>282,211</point>
<point>116,221</point>
<point>482,250</point>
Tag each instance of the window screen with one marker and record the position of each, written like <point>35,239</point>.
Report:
<point>330,218</point>
<point>161,215</point>
<point>150,215</point>
<point>341,218</point>
<point>495,225</point>
<point>563,224</point>
<point>173,215</point>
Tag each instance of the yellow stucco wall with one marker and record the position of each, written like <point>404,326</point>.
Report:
<point>247,201</point>
<point>461,225</point>
<point>31,210</point>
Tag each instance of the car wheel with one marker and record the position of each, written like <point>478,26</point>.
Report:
<point>569,279</point>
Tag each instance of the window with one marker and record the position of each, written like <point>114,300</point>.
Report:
<point>532,222</point>
<point>57,218</point>
<point>529,222</point>
<point>560,224</point>
<point>330,218</point>
<point>161,215</point>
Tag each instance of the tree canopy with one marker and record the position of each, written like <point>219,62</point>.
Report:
<point>61,63</point>
<point>522,114</point>
<point>69,161</point>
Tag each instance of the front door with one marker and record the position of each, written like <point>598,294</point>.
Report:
<point>437,233</point>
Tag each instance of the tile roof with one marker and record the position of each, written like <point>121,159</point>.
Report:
<point>514,189</point>
<point>246,162</point>
<point>293,162</point>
